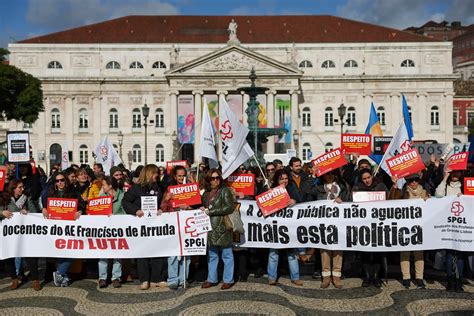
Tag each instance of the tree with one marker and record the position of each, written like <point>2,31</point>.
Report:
<point>21,97</point>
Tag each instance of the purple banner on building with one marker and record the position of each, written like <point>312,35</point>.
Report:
<point>186,119</point>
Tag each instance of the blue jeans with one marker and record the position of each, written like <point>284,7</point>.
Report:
<point>272,268</point>
<point>176,270</point>
<point>213,261</point>
<point>63,266</point>
<point>116,269</point>
<point>450,255</point>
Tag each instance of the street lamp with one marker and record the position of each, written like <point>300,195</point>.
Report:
<point>120,140</point>
<point>296,140</point>
<point>145,112</point>
<point>341,111</point>
<point>174,139</point>
<point>130,159</point>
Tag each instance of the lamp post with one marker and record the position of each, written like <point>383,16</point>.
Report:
<point>145,112</point>
<point>120,140</point>
<point>174,139</point>
<point>130,159</point>
<point>296,140</point>
<point>341,111</point>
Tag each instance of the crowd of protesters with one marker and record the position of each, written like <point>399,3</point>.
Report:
<point>27,190</point>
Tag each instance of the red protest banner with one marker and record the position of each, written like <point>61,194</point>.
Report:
<point>329,161</point>
<point>273,200</point>
<point>185,195</point>
<point>3,176</point>
<point>457,161</point>
<point>100,206</point>
<point>63,209</point>
<point>408,162</point>
<point>356,143</point>
<point>171,164</point>
<point>469,186</point>
<point>242,182</point>
<point>361,196</point>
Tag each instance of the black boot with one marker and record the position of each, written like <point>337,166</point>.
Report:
<point>451,287</point>
<point>458,285</point>
<point>366,275</point>
<point>376,276</point>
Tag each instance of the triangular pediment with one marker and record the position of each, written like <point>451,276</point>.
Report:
<point>234,61</point>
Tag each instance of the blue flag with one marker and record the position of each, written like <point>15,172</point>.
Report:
<point>407,118</point>
<point>374,129</point>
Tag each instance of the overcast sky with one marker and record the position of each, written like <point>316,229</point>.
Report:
<point>20,19</point>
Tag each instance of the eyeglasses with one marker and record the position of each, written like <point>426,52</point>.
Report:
<point>215,178</point>
<point>60,180</point>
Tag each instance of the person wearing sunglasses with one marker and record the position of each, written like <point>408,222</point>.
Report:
<point>270,172</point>
<point>218,201</point>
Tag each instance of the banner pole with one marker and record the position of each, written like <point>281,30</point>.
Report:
<point>263,174</point>
<point>184,276</point>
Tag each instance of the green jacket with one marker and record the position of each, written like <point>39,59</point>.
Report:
<point>117,208</point>
<point>222,205</point>
<point>29,206</point>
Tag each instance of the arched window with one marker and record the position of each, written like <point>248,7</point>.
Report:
<point>136,118</point>
<point>351,116</point>
<point>55,118</point>
<point>407,63</point>
<point>434,115</point>
<point>350,64</point>
<point>328,117</point>
<point>160,153</point>
<point>381,115</point>
<point>328,64</point>
<point>136,65</point>
<point>306,117</point>
<point>137,153</point>
<point>159,118</point>
<point>112,65</point>
<point>113,118</point>
<point>83,154</point>
<point>83,119</point>
<point>306,64</point>
<point>159,65</point>
<point>55,65</point>
<point>328,147</point>
<point>306,151</point>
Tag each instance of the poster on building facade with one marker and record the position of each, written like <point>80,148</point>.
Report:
<point>186,119</point>
<point>262,110</point>
<point>283,117</point>
<point>213,106</point>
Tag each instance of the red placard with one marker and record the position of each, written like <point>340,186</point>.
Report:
<point>3,176</point>
<point>273,200</point>
<point>367,196</point>
<point>100,206</point>
<point>408,162</point>
<point>329,161</point>
<point>171,164</point>
<point>242,182</point>
<point>356,143</point>
<point>185,195</point>
<point>469,186</point>
<point>63,209</point>
<point>457,161</point>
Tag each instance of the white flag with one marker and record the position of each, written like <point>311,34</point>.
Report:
<point>207,145</point>
<point>233,135</point>
<point>64,157</point>
<point>106,155</point>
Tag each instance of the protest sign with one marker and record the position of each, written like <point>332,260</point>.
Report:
<point>329,161</point>
<point>356,143</point>
<point>185,195</point>
<point>381,144</point>
<point>61,209</point>
<point>409,162</point>
<point>100,206</point>
<point>457,161</point>
<point>243,183</point>
<point>362,196</point>
<point>149,206</point>
<point>202,222</point>
<point>469,186</point>
<point>18,146</point>
<point>3,175</point>
<point>171,164</point>
<point>273,200</point>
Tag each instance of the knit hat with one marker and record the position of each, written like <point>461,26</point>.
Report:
<point>114,169</point>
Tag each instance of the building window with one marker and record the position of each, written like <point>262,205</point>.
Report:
<point>306,152</point>
<point>350,64</point>
<point>328,64</point>
<point>408,63</point>
<point>351,116</point>
<point>381,115</point>
<point>83,154</point>
<point>83,119</point>
<point>410,113</point>
<point>136,65</point>
<point>159,65</point>
<point>55,65</point>
<point>306,64</point>
<point>306,117</point>
<point>160,153</point>
<point>137,153</point>
<point>113,118</point>
<point>159,118</point>
<point>137,118</point>
<point>328,117</point>
<point>455,117</point>
<point>434,115</point>
<point>112,65</point>
<point>328,147</point>
<point>55,118</point>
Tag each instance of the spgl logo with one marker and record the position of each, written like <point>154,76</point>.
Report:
<point>456,210</point>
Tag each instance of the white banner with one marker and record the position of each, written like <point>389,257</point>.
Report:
<point>207,141</point>
<point>395,225</point>
<point>119,236</point>
<point>106,155</point>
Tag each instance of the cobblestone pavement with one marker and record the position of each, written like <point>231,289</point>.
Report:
<point>253,297</point>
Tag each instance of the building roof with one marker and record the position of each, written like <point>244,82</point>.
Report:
<point>213,29</point>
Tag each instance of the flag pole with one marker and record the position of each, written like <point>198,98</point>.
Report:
<point>263,174</point>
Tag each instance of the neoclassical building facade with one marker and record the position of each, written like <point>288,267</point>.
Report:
<point>97,78</point>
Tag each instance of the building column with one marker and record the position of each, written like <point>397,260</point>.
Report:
<point>271,119</point>
<point>394,115</point>
<point>197,123</point>
<point>98,126</point>
<point>172,127</point>
<point>447,112</point>
<point>71,127</point>
<point>295,118</point>
<point>245,100</point>
<point>41,137</point>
